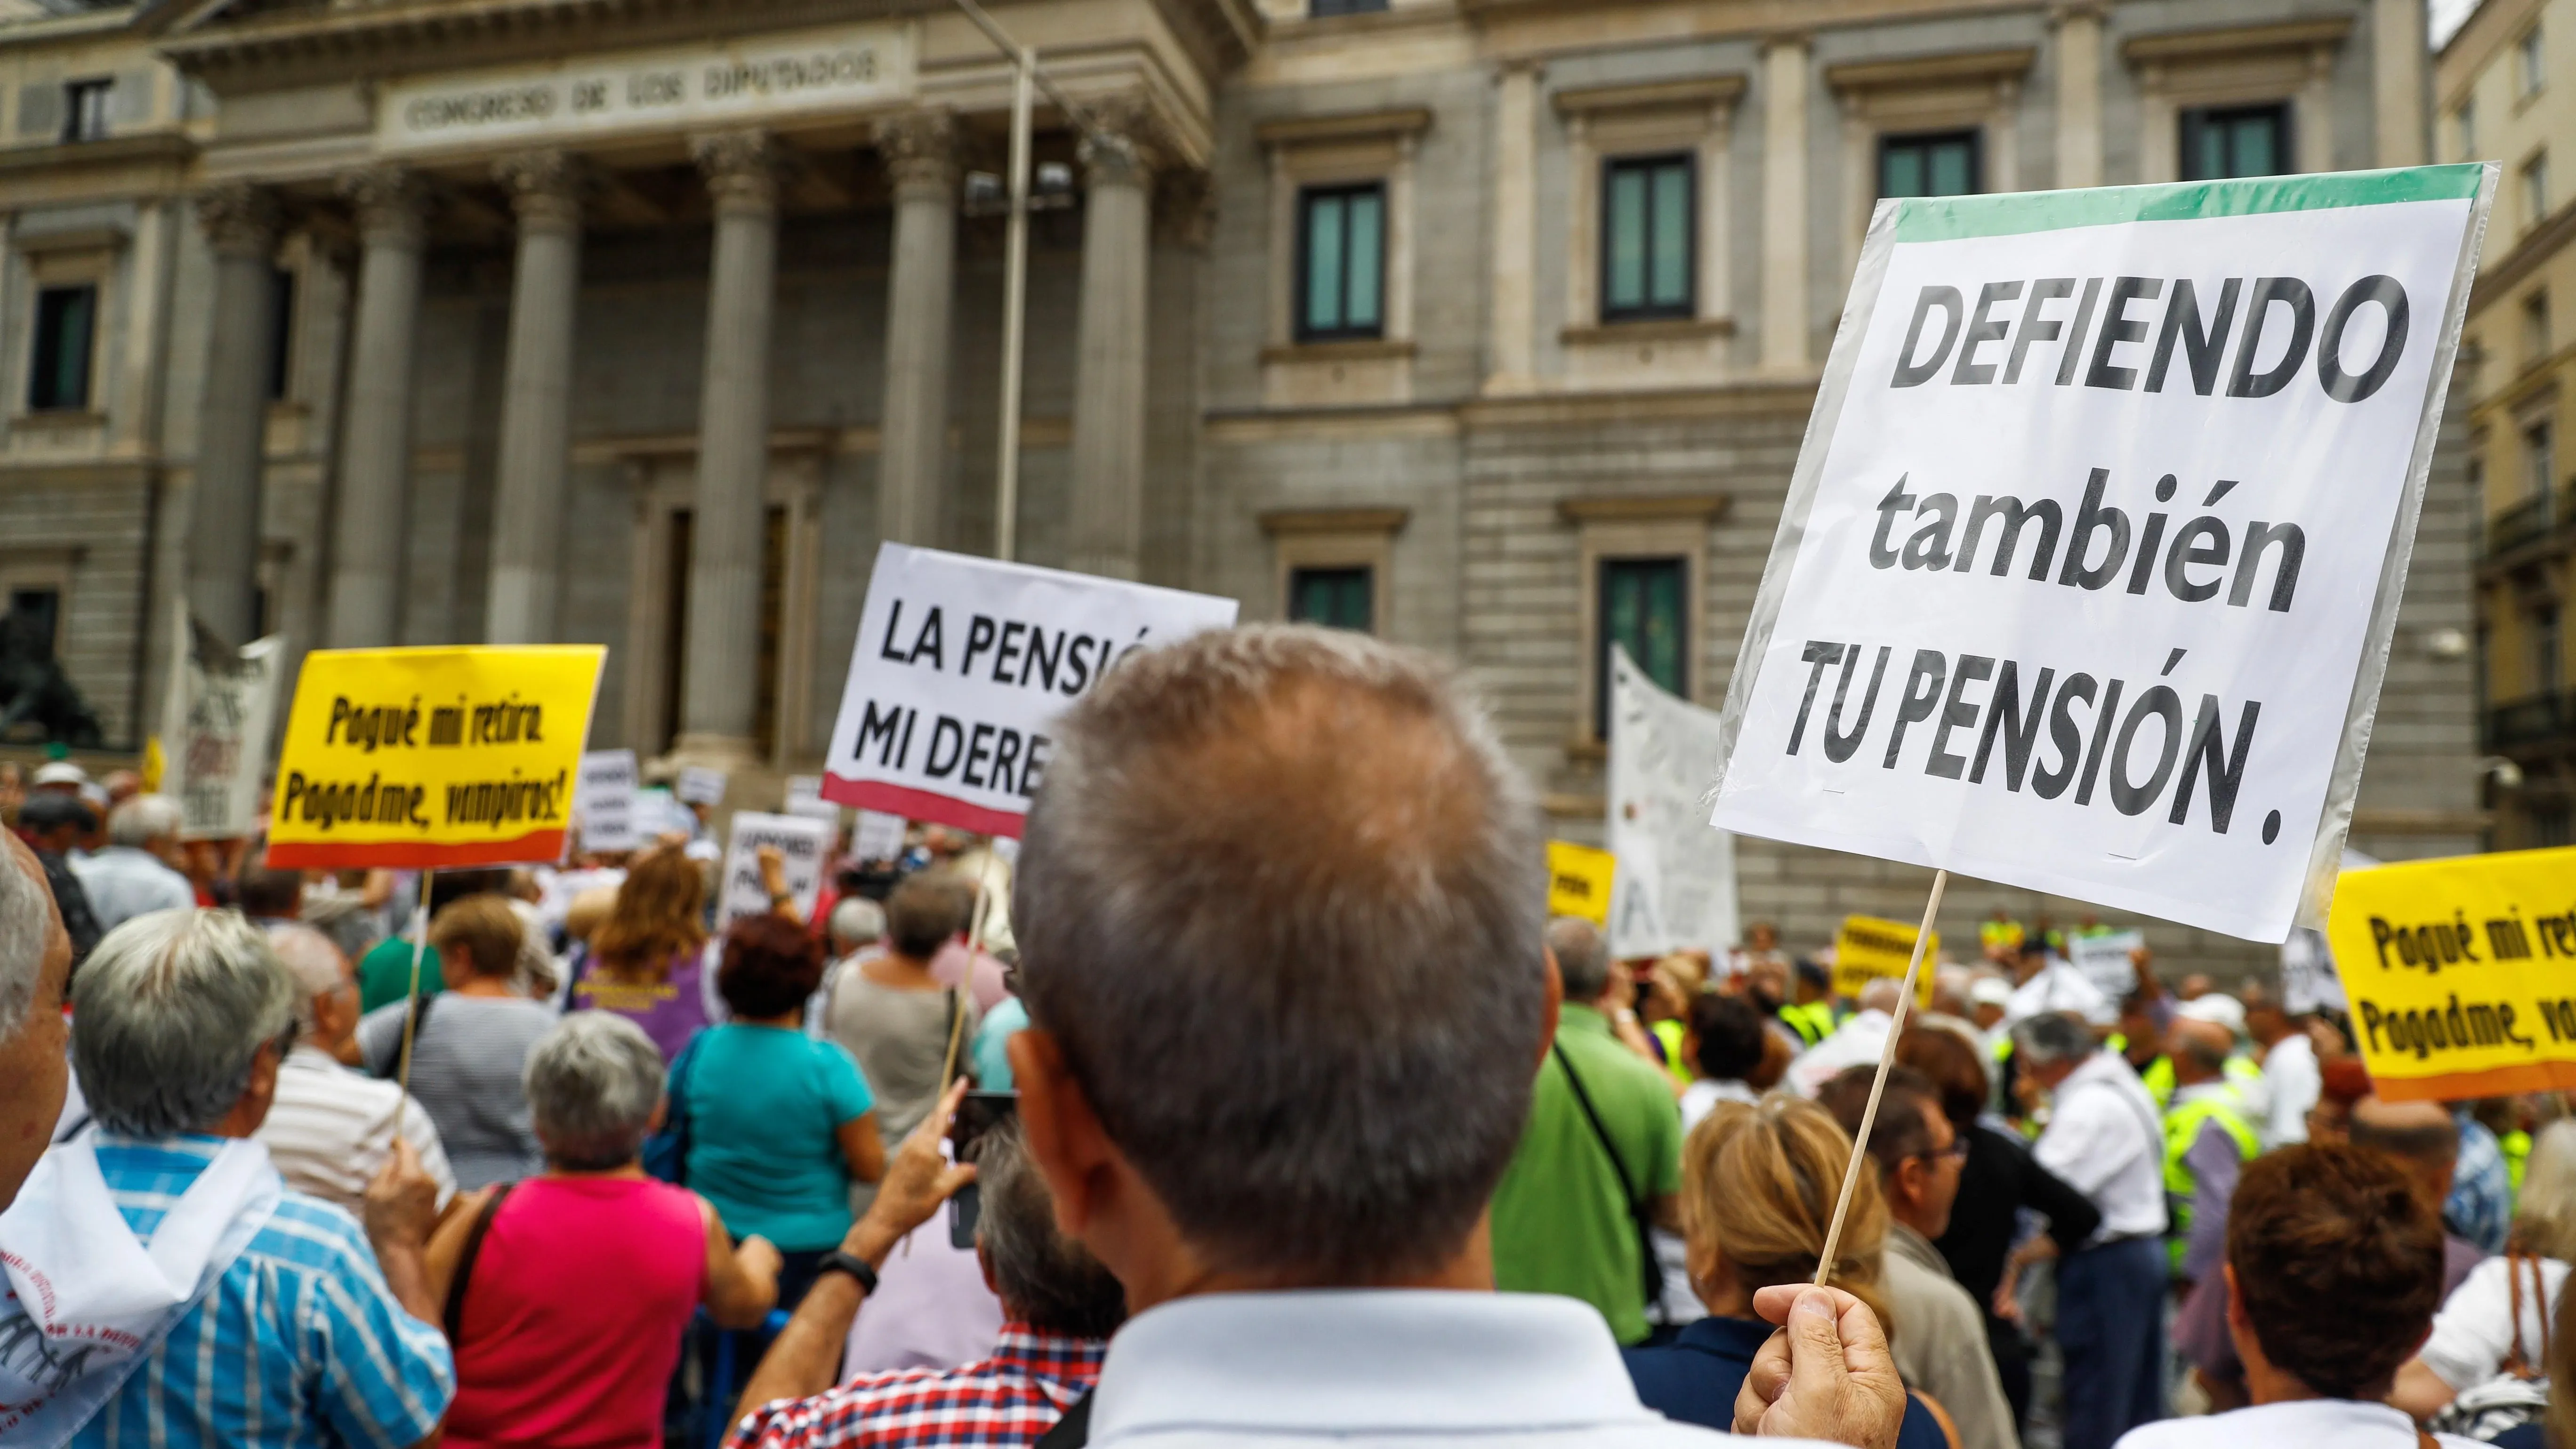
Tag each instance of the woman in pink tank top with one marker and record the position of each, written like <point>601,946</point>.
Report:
<point>567,1293</point>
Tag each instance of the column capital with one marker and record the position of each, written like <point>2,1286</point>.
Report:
<point>1786,40</point>
<point>546,188</point>
<point>743,169</point>
<point>2062,11</point>
<point>241,219</point>
<point>919,149</point>
<point>392,202</point>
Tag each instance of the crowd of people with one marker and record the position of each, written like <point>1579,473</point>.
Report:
<point>1213,1114</point>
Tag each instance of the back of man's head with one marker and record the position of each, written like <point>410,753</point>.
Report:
<point>2337,1261</point>
<point>1044,1279</point>
<point>48,812</point>
<point>1582,958</point>
<point>169,1013</point>
<point>145,819</point>
<point>1283,899</point>
<point>924,912</point>
<point>1905,1111</point>
<point>2420,1131</point>
<point>2051,1037</point>
<point>1881,993</point>
<point>2200,1048</point>
<point>25,926</point>
<point>856,922</point>
<point>263,893</point>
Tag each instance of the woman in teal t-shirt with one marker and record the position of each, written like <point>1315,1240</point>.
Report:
<point>779,1124</point>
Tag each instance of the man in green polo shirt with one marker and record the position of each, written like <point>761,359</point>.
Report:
<point>1565,1219</point>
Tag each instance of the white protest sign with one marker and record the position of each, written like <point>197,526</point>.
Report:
<point>604,801</point>
<point>878,836</point>
<point>802,842</point>
<point>217,716</point>
<point>1674,887</point>
<point>699,785</point>
<point>805,797</point>
<point>2104,960</point>
<point>962,664</point>
<point>2089,567</point>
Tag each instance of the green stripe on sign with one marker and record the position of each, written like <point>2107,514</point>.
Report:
<point>1955,218</point>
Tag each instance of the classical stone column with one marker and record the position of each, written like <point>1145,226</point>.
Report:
<point>536,404</point>
<point>1107,523</point>
<point>1514,260</point>
<point>375,452</point>
<point>232,420</point>
<point>717,701</point>
<point>920,152</point>
<point>2397,82</point>
<point>1784,203</point>
<point>2079,92</point>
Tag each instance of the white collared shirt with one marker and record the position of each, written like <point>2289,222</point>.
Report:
<point>330,1129</point>
<point>2060,987</point>
<point>2299,1424</point>
<point>2106,1140</point>
<point>2290,1070</point>
<point>1425,1369</point>
<point>1855,1043</point>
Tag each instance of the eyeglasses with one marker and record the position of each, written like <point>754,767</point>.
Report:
<point>1957,1151</point>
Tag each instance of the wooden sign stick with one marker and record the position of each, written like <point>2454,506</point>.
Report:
<point>411,1007</point>
<point>1886,1059</point>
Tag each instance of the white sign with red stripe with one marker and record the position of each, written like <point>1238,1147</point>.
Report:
<point>961,666</point>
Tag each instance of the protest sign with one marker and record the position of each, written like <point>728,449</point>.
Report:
<point>1675,888</point>
<point>1578,881</point>
<point>1867,948</point>
<point>2088,570</point>
<point>2462,973</point>
<point>429,758</point>
<point>2104,960</point>
<point>805,797</point>
<point>699,785</point>
<point>802,843</point>
<point>963,663</point>
<point>604,803</point>
<point>878,836</point>
<point>218,711</point>
<point>2309,982</point>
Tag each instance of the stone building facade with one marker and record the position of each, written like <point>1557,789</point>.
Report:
<point>2500,99</point>
<point>1488,325</point>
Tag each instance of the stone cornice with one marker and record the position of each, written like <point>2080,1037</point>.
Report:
<point>405,37</point>
<point>1932,70</point>
<point>2233,41</point>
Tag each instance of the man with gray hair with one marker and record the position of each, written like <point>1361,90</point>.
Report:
<point>331,1129</point>
<point>186,1288</point>
<point>138,871</point>
<point>35,959</point>
<point>1059,1306</point>
<point>2106,1140</point>
<point>1283,947</point>
<point>1600,1159</point>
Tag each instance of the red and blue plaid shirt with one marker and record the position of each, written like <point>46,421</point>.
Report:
<point>1006,1400</point>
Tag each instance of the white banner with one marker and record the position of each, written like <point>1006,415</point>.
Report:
<point>802,844</point>
<point>2088,571</point>
<point>603,801</point>
<point>216,721</point>
<point>960,666</point>
<point>1674,889</point>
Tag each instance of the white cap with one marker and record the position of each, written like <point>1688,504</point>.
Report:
<point>1990,992</point>
<point>2217,1006</point>
<point>61,772</point>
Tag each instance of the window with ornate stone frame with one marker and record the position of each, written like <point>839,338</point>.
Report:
<point>42,569</point>
<point>63,263</point>
<point>1660,527</point>
<point>1608,127</point>
<point>1975,92</point>
<point>1335,539</point>
<point>1316,154</point>
<point>2234,66</point>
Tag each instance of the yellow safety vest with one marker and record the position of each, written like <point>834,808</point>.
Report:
<point>2182,1129</point>
<point>1812,1022</point>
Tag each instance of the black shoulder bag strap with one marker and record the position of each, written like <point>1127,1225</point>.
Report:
<point>1650,1272</point>
<point>453,1315</point>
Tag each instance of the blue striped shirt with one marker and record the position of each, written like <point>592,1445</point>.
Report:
<point>300,1343</point>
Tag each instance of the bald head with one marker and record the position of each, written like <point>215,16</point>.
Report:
<point>2422,1131</point>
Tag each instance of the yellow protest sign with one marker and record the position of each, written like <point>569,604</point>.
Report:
<point>430,758</point>
<point>1578,881</point>
<point>1867,948</point>
<point>2461,973</point>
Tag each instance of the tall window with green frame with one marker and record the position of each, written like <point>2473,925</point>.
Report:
<point>1937,163</point>
<point>1341,263</point>
<point>1339,597</point>
<point>2220,143</point>
<point>1648,237</point>
<point>58,370</point>
<point>1644,607</point>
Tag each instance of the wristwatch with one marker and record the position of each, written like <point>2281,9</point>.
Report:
<point>837,1261</point>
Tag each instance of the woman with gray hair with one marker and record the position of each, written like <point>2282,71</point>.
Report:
<point>565,1296</point>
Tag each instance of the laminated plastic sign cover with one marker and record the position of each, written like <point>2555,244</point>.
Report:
<point>1675,885</point>
<point>2086,578</point>
<point>425,759</point>
<point>962,665</point>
